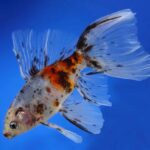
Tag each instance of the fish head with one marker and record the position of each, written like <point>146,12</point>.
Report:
<point>18,120</point>
<point>27,110</point>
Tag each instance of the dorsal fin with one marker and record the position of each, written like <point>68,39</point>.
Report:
<point>34,51</point>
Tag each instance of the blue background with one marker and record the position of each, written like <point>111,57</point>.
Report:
<point>127,123</point>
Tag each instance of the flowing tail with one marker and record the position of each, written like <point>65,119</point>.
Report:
<point>110,46</point>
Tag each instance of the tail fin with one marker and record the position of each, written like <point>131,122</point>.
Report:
<point>110,45</point>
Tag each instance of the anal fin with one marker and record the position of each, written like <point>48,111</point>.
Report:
<point>83,115</point>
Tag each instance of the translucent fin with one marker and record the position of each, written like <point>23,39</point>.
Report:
<point>94,88</point>
<point>34,50</point>
<point>111,46</point>
<point>84,115</point>
<point>69,134</point>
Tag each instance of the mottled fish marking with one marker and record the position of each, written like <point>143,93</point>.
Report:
<point>61,75</point>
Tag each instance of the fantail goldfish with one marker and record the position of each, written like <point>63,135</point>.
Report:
<point>108,47</point>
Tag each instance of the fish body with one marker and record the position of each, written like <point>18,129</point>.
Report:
<point>108,47</point>
<point>43,95</point>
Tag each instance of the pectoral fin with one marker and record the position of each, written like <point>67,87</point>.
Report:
<point>69,134</point>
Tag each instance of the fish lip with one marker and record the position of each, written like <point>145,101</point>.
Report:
<point>8,135</point>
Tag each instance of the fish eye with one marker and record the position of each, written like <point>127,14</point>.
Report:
<point>13,125</point>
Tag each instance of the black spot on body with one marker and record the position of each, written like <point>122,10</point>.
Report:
<point>69,62</point>
<point>73,70</point>
<point>56,103</point>
<point>22,91</point>
<point>39,92</point>
<point>40,108</point>
<point>75,56</point>
<point>63,80</point>
<point>53,70</point>
<point>48,89</point>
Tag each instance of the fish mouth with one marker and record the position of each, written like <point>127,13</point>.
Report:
<point>8,135</point>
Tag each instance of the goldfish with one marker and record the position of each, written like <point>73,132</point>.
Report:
<point>74,85</point>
